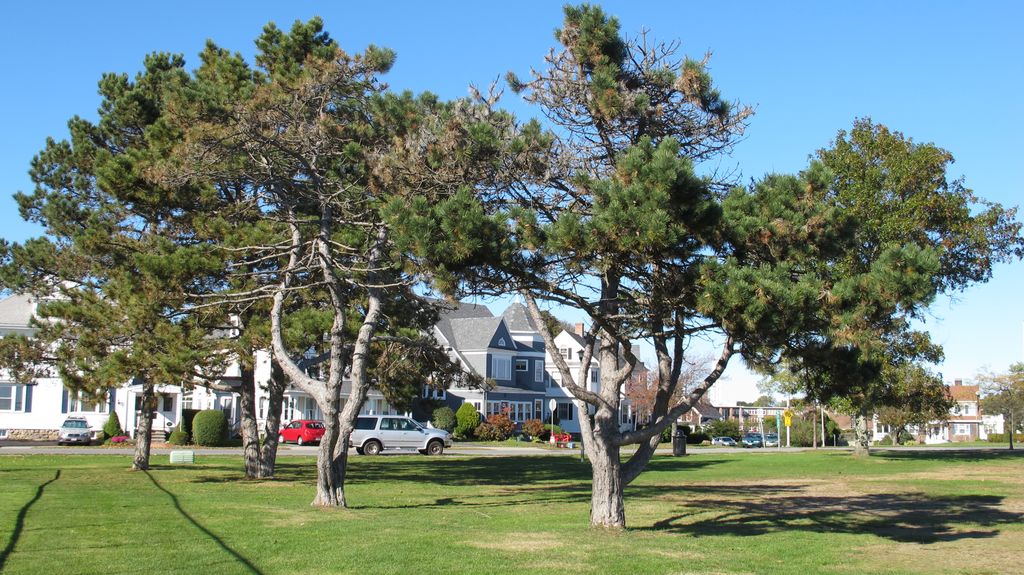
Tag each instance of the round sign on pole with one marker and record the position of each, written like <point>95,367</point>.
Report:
<point>552,405</point>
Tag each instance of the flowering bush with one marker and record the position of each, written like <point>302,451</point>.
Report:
<point>120,439</point>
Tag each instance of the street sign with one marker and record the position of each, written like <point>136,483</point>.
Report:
<point>788,415</point>
<point>552,405</point>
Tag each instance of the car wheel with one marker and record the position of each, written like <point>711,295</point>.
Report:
<point>435,448</point>
<point>300,442</point>
<point>280,439</point>
<point>372,448</point>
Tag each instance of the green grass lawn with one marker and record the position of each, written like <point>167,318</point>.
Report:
<point>761,512</point>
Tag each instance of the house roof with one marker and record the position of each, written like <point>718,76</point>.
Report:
<point>472,332</point>
<point>517,318</point>
<point>16,311</point>
<point>964,392</point>
<point>460,311</point>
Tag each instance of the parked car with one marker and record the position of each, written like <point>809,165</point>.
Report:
<point>771,440</point>
<point>724,440</point>
<point>376,433</point>
<point>302,431</point>
<point>74,430</point>
<point>752,440</point>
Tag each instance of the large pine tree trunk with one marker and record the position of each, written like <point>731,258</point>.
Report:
<point>272,427</point>
<point>862,441</point>
<point>144,428</point>
<point>607,505</point>
<point>330,480</point>
<point>250,430</point>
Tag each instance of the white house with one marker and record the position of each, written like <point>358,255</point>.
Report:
<point>570,346</point>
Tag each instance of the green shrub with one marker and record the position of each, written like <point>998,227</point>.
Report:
<point>444,418</point>
<point>533,427</point>
<point>666,434</point>
<point>112,428</point>
<point>1005,438</point>
<point>886,441</point>
<point>698,438</point>
<point>467,418</point>
<point>178,437</point>
<point>723,428</point>
<point>545,434</point>
<point>210,428</point>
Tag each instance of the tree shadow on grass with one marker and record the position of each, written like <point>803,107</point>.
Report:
<point>177,505</point>
<point>19,521</point>
<point>951,455</point>
<point>906,518</point>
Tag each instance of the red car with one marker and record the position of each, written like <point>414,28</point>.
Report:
<point>302,431</point>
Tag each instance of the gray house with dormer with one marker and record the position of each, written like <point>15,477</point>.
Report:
<point>505,349</point>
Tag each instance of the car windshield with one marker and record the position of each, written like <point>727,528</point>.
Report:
<point>75,424</point>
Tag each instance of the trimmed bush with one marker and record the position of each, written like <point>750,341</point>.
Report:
<point>498,427</point>
<point>467,418</point>
<point>545,434</point>
<point>698,438</point>
<point>533,427</point>
<point>210,428</point>
<point>178,437</point>
<point>444,418</point>
<point>1005,438</point>
<point>112,428</point>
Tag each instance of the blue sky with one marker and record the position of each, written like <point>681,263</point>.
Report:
<point>939,71</point>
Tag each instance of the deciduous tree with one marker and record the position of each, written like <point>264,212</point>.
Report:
<point>1004,394</point>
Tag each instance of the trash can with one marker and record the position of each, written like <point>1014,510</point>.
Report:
<point>679,443</point>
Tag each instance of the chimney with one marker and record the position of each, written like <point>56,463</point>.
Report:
<point>958,382</point>
<point>579,329</point>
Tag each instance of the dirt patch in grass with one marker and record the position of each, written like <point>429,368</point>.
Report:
<point>998,554</point>
<point>520,542</point>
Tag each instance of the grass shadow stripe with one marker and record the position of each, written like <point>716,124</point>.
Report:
<point>177,505</point>
<point>19,522</point>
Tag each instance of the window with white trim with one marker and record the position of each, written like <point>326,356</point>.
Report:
<point>538,370</point>
<point>564,411</point>
<point>565,352</point>
<point>82,403</point>
<point>432,393</point>
<point>11,397</point>
<point>501,367</point>
<point>961,429</point>
<point>517,411</point>
<point>522,365</point>
<point>595,376</point>
<point>966,409</point>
